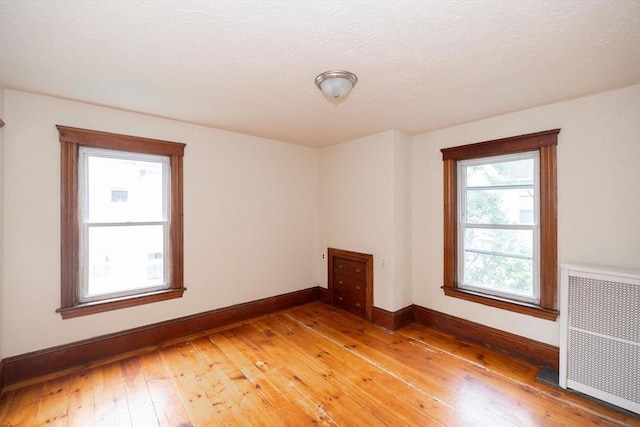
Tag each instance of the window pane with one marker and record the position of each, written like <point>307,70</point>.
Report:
<point>500,206</point>
<point>498,273</point>
<point>125,258</point>
<point>517,243</point>
<point>499,260</point>
<point>515,172</point>
<point>121,190</point>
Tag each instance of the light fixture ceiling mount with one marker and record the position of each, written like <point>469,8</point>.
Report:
<point>336,85</point>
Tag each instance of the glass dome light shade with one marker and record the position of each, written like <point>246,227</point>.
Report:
<point>336,85</point>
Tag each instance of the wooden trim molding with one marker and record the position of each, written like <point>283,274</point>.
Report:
<point>71,139</point>
<point>450,228</point>
<point>114,141</point>
<point>323,294</point>
<point>81,353</point>
<point>513,144</point>
<point>548,228</point>
<point>84,309</point>
<point>536,352</point>
<point>545,143</point>
<point>393,320</point>
<point>3,376</point>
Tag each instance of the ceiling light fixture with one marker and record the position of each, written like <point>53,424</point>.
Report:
<point>336,85</point>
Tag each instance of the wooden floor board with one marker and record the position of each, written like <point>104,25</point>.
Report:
<point>358,385</point>
<point>309,365</point>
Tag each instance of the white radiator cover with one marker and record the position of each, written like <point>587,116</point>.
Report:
<point>600,333</point>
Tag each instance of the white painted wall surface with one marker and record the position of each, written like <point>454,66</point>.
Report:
<point>356,203</point>
<point>401,256</point>
<point>258,213</point>
<point>598,196</point>
<point>2,320</point>
<point>250,208</point>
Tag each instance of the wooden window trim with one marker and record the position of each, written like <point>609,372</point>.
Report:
<point>545,142</point>
<point>71,139</point>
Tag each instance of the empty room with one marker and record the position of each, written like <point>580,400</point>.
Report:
<point>291,213</point>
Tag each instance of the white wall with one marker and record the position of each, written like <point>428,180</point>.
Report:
<point>259,213</point>
<point>401,256</point>
<point>2,320</point>
<point>356,205</point>
<point>250,208</point>
<point>365,199</point>
<point>598,196</point>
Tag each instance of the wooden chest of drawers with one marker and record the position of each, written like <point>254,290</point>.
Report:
<point>351,282</point>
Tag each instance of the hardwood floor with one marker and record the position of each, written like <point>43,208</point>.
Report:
<point>310,365</point>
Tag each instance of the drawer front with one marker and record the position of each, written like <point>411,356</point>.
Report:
<point>350,268</point>
<point>349,284</point>
<point>350,302</point>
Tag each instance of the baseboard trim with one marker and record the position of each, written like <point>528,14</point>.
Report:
<point>2,376</point>
<point>43,362</point>
<point>323,294</point>
<point>82,353</point>
<point>541,354</point>
<point>393,320</point>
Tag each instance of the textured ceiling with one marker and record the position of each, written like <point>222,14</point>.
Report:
<point>249,66</point>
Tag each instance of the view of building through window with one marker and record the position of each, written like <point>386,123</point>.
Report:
<point>125,221</point>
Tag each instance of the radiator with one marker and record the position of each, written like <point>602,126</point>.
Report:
<point>600,334</point>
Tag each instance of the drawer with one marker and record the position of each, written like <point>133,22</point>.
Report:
<point>350,302</point>
<point>348,267</point>
<point>354,285</point>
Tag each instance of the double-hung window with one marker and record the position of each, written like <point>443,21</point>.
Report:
<point>124,212</point>
<point>500,223</point>
<point>121,221</point>
<point>498,233</point>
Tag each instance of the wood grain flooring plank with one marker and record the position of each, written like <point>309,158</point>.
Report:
<point>329,399</point>
<point>289,405</point>
<point>5,401</point>
<point>81,399</point>
<point>308,365</point>
<point>322,376</point>
<point>422,369</point>
<point>164,395</point>
<point>111,407</point>
<point>178,362</point>
<point>498,399</point>
<point>54,403</point>
<point>381,388</point>
<point>233,390</point>
<point>23,407</point>
<point>514,392</point>
<point>204,365</point>
<point>141,410</point>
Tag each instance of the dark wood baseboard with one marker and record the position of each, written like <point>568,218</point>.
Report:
<point>2,376</point>
<point>39,363</point>
<point>323,294</point>
<point>393,320</point>
<point>78,354</point>
<point>523,348</point>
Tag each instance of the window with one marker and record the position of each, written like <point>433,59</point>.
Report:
<point>500,223</point>
<point>121,212</point>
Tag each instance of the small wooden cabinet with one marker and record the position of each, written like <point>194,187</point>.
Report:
<point>351,282</point>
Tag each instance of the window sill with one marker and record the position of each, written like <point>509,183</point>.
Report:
<point>518,307</point>
<point>93,307</point>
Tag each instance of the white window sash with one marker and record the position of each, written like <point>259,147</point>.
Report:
<point>463,225</point>
<point>85,224</point>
